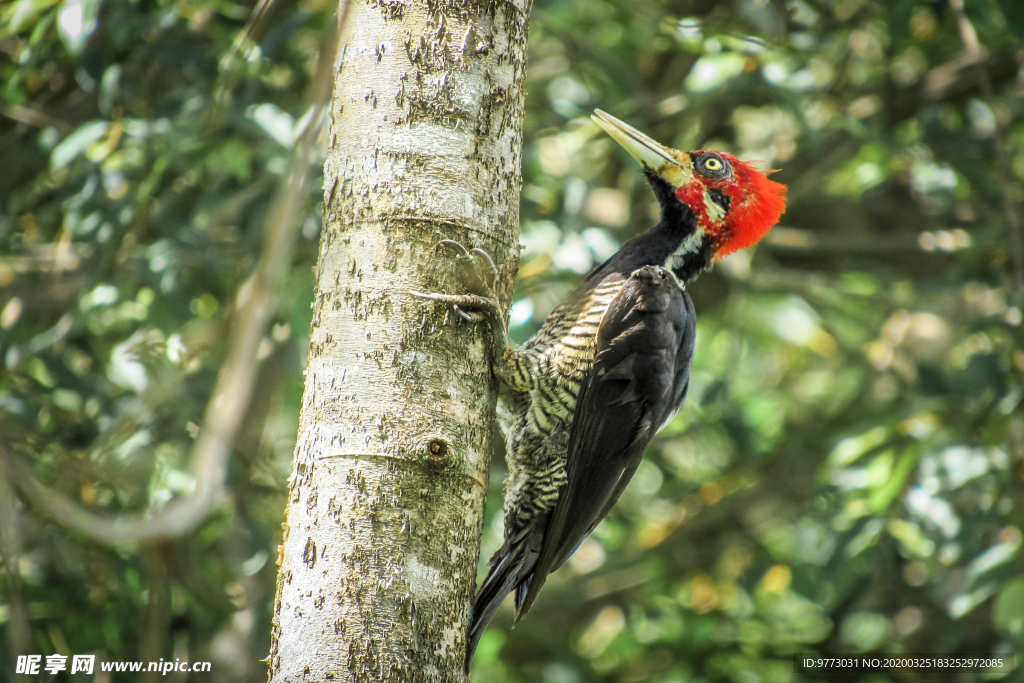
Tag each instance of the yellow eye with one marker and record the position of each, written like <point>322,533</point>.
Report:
<point>713,164</point>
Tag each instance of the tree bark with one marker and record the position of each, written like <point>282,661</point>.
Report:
<point>382,537</point>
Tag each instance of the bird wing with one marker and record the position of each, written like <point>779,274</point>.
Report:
<point>637,382</point>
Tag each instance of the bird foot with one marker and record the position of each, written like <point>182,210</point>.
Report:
<point>477,274</point>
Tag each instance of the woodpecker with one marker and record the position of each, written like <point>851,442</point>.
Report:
<point>611,364</point>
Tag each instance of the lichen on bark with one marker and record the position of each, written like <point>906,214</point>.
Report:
<point>380,549</point>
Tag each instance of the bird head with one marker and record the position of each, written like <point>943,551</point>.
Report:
<point>734,203</point>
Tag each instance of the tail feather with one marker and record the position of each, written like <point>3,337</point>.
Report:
<point>511,569</point>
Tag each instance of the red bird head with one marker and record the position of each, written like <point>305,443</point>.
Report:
<point>734,203</point>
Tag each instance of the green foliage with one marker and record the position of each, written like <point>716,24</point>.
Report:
<point>137,166</point>
<point>845,476</point>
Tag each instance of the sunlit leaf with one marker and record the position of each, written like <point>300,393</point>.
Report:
<point>75,144</point>
<point>76,22</point>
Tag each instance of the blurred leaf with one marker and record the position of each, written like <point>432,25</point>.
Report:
<point>851,448</point>
<point>865,631</point>
<point>912,538</point>
<point>75,144</point>
<point>1008,613</point>
<point>883,494</point>
<point>982,580</point>
<point>712,71</point>
<point>21,14</point>
<point>76,22</point>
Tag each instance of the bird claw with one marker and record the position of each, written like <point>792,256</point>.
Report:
<point>461,302</point>
<point>477,275</point>
<point>476,269</point>
<point>471,316</point>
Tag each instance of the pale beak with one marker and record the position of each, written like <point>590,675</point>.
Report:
<point>655,156</point>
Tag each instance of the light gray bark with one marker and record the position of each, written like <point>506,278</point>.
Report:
<point>382,537</point>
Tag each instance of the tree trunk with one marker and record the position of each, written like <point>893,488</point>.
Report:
<point>386,501</point>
